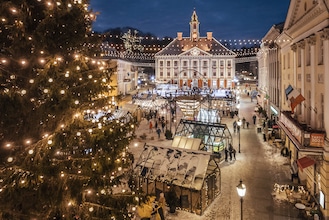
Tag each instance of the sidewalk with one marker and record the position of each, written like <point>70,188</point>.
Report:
<point>259,166</point>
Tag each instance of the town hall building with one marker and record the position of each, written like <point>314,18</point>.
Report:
<point>195,61</point>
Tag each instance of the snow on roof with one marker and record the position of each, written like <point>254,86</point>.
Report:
<point>181,167</point>
<point>186,143</point>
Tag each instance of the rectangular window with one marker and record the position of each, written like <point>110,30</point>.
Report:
<point>175,63</point>
<point>228,73</point>
<point>195,63</point>
<point>221,64</point>
<point>322,111</point>
<point>308,77</point>
<point>221,73</point>
<point>299,77</point>
<point>214,64</point>
<point>168,63</point>
<point>161,63</point>
<point>320,51</point>
<point>161,74</point>
<point>320,78</point>
<point>229,65</point>
<point>168,73</point>
<point>214,73</point>
<point>184,63</point>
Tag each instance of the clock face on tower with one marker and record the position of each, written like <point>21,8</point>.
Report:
<point>194,35</point>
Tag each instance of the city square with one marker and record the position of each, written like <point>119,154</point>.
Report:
<point>116,123</point>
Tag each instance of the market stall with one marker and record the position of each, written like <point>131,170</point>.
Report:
<point>193,175</point>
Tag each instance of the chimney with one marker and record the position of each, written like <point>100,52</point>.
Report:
<point>209,35</point>
<point>179,35</point>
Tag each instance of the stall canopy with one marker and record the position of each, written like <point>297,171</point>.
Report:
<point>305,162</point>
<point>181,167</point>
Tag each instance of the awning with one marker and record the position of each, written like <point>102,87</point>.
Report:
<point>305,162</point>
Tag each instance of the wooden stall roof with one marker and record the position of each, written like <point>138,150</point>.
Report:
<point>179,166</point>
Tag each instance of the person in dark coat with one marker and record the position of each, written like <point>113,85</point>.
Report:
<point>163,124</point>
<point>234,126</point>
<point>226,154</point>
<point>158,132</point>
<point>230,149</point>
<point>254,119</point>
<point>234,152</point>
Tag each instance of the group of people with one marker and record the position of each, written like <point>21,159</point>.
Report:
<point>158,124</point>
<point>230,151</point>
<point>152,209</point>
<point>245,123</point>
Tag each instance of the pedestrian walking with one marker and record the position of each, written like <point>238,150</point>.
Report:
<point>247,123</point>
<point>254,118</point>
<point>243,122</point>
<point>159,132</point>
<point>156,125</point>
<point>230,150</point>
<point>234,126</point>
<point>151,126</point>
<point>234,152</point>
<point>163,124</point>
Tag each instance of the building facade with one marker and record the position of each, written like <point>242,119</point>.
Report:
<point>195,61</point>
<point>269,78</point>
<point>304,57</point>
<point>125,77</point>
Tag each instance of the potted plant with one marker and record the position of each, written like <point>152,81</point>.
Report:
<point>172,200</point>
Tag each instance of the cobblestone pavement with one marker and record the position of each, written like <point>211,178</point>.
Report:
<point>259,165</point>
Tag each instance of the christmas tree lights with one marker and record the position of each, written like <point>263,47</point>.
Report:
<point>56,164</point>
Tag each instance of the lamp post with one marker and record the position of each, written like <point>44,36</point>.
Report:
<point>241,188</point>
<point>239,127</point>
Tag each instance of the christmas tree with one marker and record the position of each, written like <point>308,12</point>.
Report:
<point>63,156</point>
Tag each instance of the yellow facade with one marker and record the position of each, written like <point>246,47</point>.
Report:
<point>304,59</point>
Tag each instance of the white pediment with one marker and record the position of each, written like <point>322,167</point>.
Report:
<point>301,12</point>
<point>195,52</point>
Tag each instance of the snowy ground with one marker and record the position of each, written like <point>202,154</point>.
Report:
<point>221,207</point>
<point>227,205</point>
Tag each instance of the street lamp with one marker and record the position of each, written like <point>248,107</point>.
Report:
<point>239,127</point>
<point>241,188</point>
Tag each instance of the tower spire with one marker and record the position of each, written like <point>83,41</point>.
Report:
<point>194,26</point>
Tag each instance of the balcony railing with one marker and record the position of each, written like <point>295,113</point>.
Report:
<point>303,135</point>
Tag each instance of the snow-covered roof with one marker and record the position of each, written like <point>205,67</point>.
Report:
<point>205,45</point>
<point>186,143</point>
<point>181,167</point>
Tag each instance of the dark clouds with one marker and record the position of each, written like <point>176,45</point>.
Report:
<point>238,19</point>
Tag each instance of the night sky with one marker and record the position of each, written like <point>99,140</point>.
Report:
<point>228,20</point>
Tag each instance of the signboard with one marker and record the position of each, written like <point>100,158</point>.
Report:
<point>316,140</point>
<point>294,130</point>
